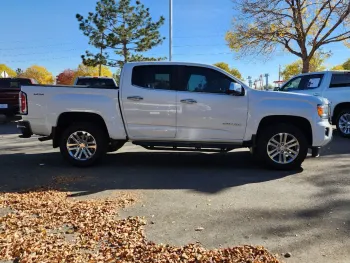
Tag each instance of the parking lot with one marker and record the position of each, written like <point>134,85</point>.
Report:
<point>236,202</point>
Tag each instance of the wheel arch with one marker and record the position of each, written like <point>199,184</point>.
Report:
<point>337,109</point>
<point>300,122</point>
<point>66,119</point>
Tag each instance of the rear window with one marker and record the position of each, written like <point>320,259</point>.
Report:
<point>14,83</point>
<point>340,80</point>
<point>97,83</point>
<point>153,77</point>
<point>4,83</point>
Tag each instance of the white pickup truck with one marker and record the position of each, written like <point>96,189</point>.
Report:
<point>332,85</point>
<point>176,106</point>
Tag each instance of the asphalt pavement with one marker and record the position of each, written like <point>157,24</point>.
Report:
<point>235,201</point>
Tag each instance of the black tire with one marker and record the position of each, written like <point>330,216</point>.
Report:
<point>101,139</point>
<point>341,113</point>
<point>268,133</point>
<point>115,146</point>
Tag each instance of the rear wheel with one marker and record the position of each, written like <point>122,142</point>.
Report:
<point>343,123</point>
<point>282,147</point>
<point>83,144</point>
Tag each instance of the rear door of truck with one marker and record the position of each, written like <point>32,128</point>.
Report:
<point>148,98</point>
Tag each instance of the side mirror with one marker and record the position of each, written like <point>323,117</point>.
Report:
<point>236,89</point>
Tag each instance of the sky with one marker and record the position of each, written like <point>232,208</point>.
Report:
<point>46,33</point>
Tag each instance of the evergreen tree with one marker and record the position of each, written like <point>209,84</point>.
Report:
<point>126,29</point>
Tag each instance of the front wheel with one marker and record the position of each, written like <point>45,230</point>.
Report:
<point>343,123</point>
<point>83,144</point>
<point>282,147</point>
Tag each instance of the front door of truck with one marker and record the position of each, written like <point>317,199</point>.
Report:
<point>205,111</point>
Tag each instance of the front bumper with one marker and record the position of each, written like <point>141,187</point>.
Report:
<point>24,127</point>
<point>322,133</point>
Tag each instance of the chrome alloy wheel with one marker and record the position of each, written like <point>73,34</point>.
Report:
<point>344,123</point>
<point>283,148</point>
<point>81,145</point>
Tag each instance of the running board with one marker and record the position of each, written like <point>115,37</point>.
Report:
<point>46,138</point>
<point>188,146</point>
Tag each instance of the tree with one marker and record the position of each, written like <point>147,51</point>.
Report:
<point>338,67</point>
<point>19,72</point>
<point>116,76</point>
<point>66,77</point>
<point>302,27</point>
<point>227,68</point>
<point>89,71</point>
<point>346,64</point>
<point>295,68</point>
<point>40,74</point>
<point>8,70</point>
<point>126,29</point>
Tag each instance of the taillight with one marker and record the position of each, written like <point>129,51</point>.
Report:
<point>23,107</point>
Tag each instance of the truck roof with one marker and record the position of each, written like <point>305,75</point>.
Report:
<point>143,63</point>
<point>322,72</point>
<point>90,77</point>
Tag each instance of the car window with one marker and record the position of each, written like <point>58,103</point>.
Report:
<point>97,82</point>
<point>340,80</point>
<point>153,77</point>
<point>303,83</point>
<point>200,79</point>
<point>4,83</point>
<point>14,83</point>
<point>291,85</point>
<point>311,81</point>
<point>25,81</point>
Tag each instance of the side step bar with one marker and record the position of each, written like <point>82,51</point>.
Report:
<point>46,138</point>
<point>188,146</point>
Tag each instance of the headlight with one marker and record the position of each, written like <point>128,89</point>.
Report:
<point>323,111</point>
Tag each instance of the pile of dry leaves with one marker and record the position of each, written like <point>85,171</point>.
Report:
<point>48,226</point>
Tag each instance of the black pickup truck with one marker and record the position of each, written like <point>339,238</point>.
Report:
<point>9,90</point>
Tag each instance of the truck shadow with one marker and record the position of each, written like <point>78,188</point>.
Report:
<point>209,173</point>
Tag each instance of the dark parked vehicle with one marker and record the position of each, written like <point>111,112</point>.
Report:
<point>9,90</point>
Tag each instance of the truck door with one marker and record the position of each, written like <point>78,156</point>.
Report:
<point>205,111</point>
<point>148,101</point>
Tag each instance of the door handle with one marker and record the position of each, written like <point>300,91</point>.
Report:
<point>188,101</point>
<point>316,94</point>
<point>135,98</point>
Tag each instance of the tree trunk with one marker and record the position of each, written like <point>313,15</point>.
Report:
<point>306,65</point>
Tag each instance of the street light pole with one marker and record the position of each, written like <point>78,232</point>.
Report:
<point>170,29</point>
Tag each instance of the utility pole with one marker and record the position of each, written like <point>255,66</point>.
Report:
<point>250,82</point>
<point>267,80</point>
<point>170,29</point>
<point>279,73</point>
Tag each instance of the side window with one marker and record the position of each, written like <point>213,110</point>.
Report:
<point>303,83</point>
<point>292,85</point>
<point>200,79</point>
<point>153,77</point>
<point>311,81</point>
<point>340,80</point>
